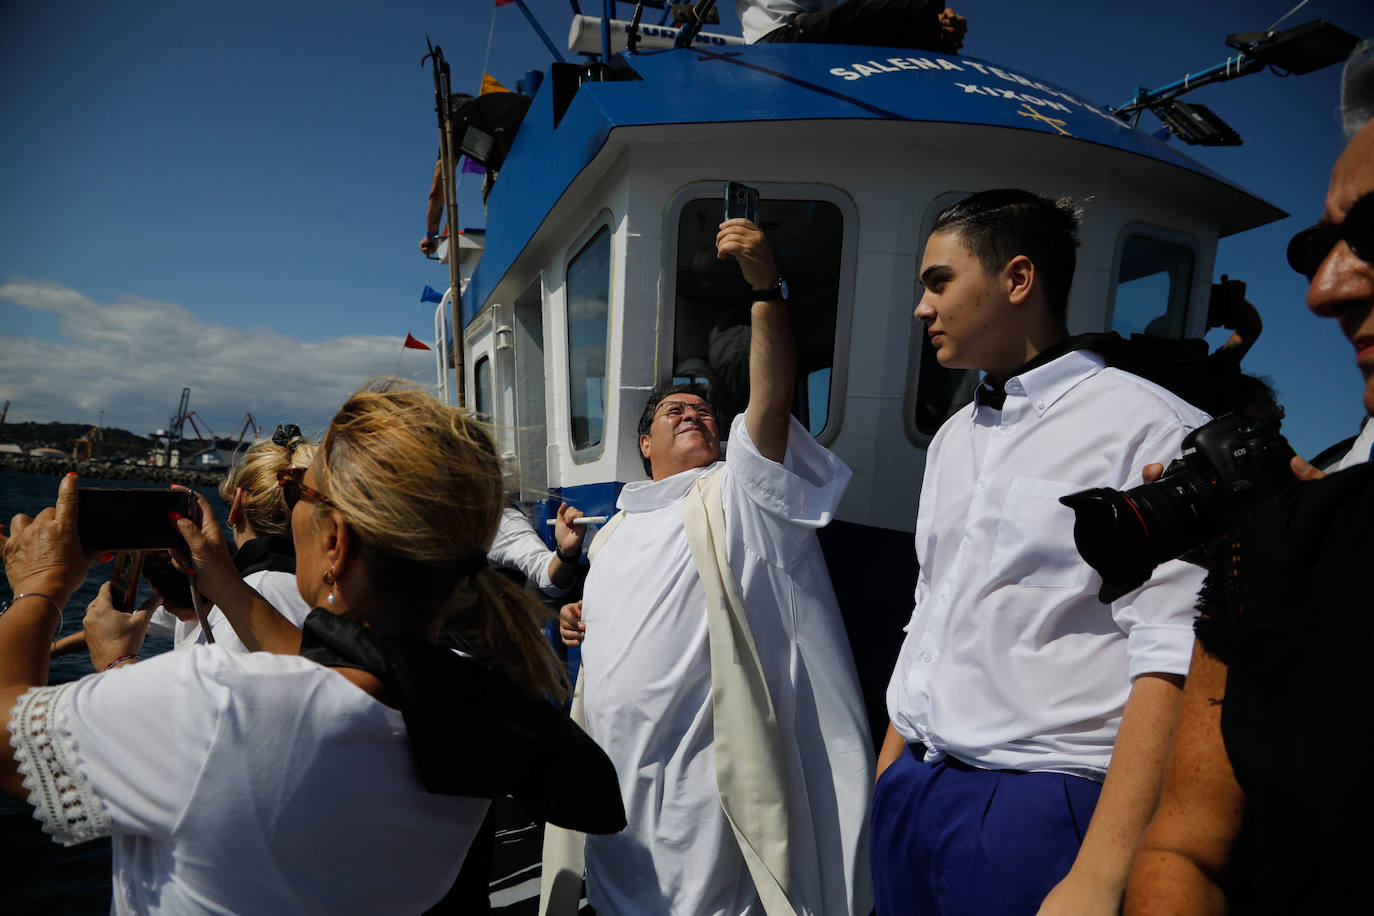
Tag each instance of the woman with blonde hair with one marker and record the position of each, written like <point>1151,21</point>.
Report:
<point>346,768</point>
<point>263,552</point>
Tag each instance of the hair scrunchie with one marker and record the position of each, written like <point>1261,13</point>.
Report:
<point>284,434</point>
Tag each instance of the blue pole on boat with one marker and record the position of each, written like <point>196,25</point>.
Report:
<point>1229,69</point>
<point>534,24</point>
<point>607,14</point>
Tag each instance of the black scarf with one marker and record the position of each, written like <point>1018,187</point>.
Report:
<point>275,552</point>
<point>473,731</point>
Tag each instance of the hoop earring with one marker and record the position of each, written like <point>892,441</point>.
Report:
<point>329,580</point>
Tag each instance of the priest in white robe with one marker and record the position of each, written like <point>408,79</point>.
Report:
<point>704,735</point>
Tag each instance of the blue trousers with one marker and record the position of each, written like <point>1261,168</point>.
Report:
<point>951,839</point>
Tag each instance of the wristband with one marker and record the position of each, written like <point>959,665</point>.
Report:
<point>431,235</point>
<point>122,658</point>
<point>571,561</point>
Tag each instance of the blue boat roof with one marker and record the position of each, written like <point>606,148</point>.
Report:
<point>776,82</point>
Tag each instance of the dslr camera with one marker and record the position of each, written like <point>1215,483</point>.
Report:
<point>1225,467</point>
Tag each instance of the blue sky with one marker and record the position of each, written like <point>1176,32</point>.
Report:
<point>229,196</point>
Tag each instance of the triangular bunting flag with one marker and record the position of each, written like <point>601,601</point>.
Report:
<point>431,295</point>
<point>489,84</point>
<point>413,344</point>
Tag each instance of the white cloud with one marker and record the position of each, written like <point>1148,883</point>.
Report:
<point>132,357</point>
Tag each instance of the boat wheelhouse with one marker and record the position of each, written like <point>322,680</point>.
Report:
<point>599,278</point>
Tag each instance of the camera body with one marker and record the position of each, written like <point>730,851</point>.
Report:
<point>1225,467</point>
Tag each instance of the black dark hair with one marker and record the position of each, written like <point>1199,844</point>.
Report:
<point>998,225</point>
<point>646,419</point>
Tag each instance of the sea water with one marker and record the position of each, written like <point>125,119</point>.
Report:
<point>44,877</point>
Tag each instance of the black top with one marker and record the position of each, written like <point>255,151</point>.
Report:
<point>474,731</point>
<point>275,552</point>
<point>1290,612</point>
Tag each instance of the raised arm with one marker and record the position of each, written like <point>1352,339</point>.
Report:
<point>434,209</point>
<point>45,565</point>
<point>772,355</point>
<point>1183,857</point>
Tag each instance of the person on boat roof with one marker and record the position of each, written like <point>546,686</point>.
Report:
<point>716,671</point>
<point>1029,721</point>
<point>918,25</point>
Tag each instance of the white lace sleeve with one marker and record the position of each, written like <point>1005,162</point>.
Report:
<point>63,800</point>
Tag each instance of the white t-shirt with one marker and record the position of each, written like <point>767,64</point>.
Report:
<point>759,17</point>
<point>647,696</point>
<point>240,783</point>
<point>279,588</point>
<point>1010,661</point>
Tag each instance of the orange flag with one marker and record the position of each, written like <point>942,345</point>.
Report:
<point>489,84</point>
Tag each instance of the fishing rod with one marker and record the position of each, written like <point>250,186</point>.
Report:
<point>448,154</point>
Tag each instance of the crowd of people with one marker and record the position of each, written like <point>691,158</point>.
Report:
<point>370,680</point>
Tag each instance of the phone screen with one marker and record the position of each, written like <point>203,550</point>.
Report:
<point>126,519</point>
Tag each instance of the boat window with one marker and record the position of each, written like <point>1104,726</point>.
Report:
<point>589,302</point>
<point>481,389</point>
<point>711,314</point>
<point>1153,280</point>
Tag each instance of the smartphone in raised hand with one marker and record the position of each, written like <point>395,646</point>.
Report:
<point>741,201</point>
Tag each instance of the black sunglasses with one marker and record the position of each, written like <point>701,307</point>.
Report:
<point>294,488</point>
<point>1309,248</point>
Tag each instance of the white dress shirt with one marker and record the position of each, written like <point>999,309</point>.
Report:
<point>647,693</point>
<point>278,588</point>
<point>1010,661</point>
<point>517,546</point>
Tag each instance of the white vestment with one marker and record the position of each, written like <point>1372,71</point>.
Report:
<point>647,691</point>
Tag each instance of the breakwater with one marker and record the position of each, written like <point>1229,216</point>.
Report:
<point>108,470</point>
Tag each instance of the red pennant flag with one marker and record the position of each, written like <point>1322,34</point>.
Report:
<point>504,2</point>
<point>413,344</point>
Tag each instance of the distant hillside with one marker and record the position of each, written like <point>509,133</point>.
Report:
<point>59,436</point>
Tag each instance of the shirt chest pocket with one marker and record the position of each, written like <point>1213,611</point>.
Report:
<point>1034,544</point>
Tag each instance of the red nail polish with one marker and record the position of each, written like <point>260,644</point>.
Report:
<point>71,473</point>
<point>174,516</point>
<point>107,558</point>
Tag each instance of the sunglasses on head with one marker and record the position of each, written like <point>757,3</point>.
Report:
<point>1309,248</point>
<point>294,489</point>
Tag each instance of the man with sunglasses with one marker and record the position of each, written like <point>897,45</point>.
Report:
<point>744,769</point>
<point>1343,288</point>
<point>1268,798</point>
